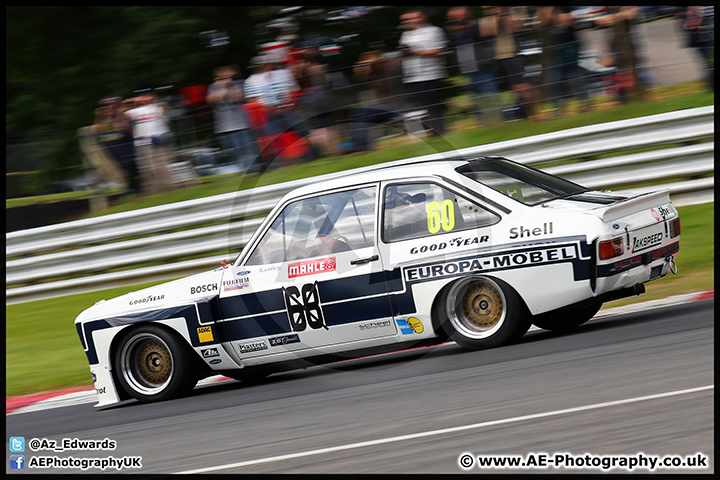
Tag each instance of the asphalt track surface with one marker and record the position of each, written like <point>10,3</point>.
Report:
<point>633,384</point>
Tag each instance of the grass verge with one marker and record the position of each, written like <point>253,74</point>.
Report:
<point>44,353</point>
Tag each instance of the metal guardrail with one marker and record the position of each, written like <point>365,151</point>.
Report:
<point>92,248</point>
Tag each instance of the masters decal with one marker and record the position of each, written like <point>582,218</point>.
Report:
<point>252,346</point>
<point>491,262</point>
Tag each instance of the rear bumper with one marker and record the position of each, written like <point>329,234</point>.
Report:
<point>638,269</point>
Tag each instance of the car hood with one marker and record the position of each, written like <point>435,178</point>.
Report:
<point>182,291</point>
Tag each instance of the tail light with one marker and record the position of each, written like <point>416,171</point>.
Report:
<point>675,228</point>
<point>610,248</point>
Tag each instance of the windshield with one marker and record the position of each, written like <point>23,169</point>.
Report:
<point>522,183</point>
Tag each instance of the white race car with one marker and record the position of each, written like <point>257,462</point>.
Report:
<point>475,250</point>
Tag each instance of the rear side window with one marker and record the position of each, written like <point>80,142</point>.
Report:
<point>419,210</point>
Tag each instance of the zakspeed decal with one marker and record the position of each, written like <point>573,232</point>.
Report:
<point>311,267</point>
<point>284,340</point>
<point>455,242</point>
<point>488,262</point>
<point>252,346</point>
<point>410,326</point>
<point>205,334</point>
<point>648,241</point>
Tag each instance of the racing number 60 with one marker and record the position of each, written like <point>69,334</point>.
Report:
<point>441,216</point>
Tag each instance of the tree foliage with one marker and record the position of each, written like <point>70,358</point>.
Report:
<point>61,60</point>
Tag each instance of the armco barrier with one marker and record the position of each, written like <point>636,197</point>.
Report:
<point>89,250</point>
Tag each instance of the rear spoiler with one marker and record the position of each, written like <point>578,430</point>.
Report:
<point>631,205</point>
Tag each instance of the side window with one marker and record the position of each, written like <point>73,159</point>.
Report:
<point>320,225</point>
<point>424,209</point>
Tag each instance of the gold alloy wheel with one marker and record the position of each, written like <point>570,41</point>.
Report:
<point>476,307</point>
<point>482,306</point>
<point>146,363</point>
<point>154,362</point>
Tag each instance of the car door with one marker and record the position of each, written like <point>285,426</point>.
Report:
<point>430,233</point>
<point>314,278</point>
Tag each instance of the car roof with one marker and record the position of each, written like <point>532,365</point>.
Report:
<point>421,168</point>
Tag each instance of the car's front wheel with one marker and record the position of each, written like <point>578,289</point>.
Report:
<point>153,364</point>
<point>483,312</point>
<point>565,319</point>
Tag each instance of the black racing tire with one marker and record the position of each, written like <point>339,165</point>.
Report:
<point>153,364</point>
<point>567,318</point>
<point>483,312</point>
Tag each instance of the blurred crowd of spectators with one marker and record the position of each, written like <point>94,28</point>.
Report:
<point>287,108</point>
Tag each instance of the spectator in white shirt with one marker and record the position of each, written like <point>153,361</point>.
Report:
<point>151,134</point>
<point>423,67</point>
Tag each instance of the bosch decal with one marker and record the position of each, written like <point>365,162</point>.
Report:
<point>508,260</point>
<point>212,287</point>
<point>311,267</point>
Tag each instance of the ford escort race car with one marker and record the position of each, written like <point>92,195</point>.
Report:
<point>474,250</point>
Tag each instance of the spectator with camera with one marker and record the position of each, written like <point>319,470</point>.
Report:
<point>232,126</point>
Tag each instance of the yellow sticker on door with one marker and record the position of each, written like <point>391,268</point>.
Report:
<point>205,334</point>
<point>415,324</point>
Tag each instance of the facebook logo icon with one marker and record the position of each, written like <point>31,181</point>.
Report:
<point>17,462</point>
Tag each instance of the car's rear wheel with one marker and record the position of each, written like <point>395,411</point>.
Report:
<point>152,364</point>
<point>565,319</point>
<point>483,312</point>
